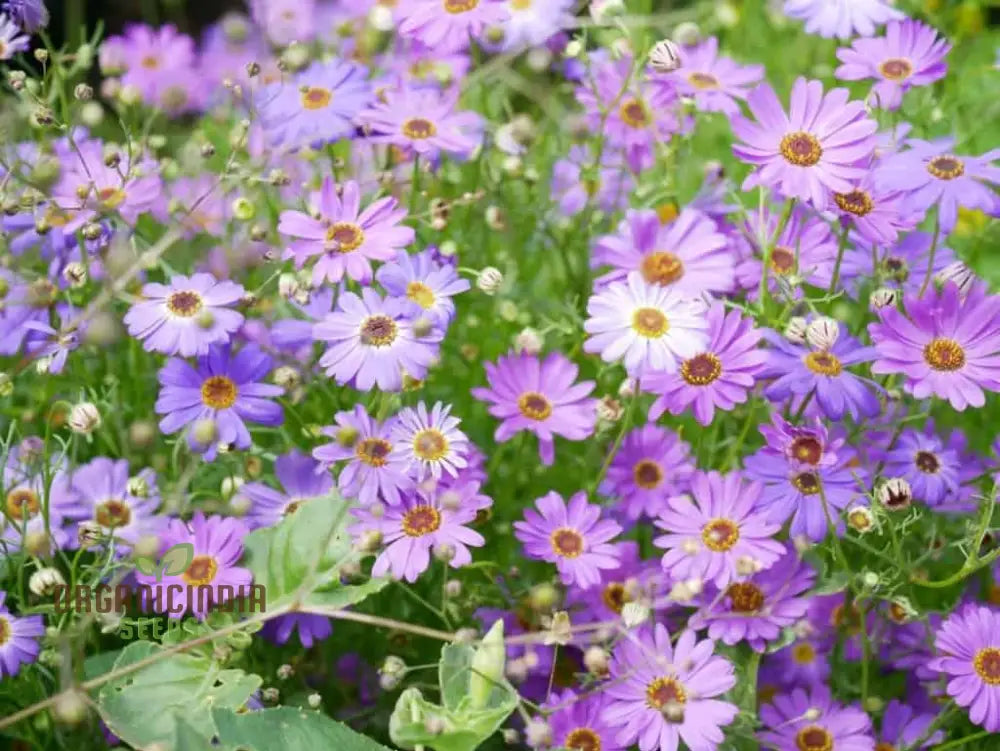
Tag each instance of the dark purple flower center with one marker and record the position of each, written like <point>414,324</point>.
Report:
<point>814,738</point>
<point>647,474</point>
<point>633,113</point>
<point>927,462</point>
<point>661,267</point>
<point>373,451</point>
<point>113,513</point>
<point>583,739</point>
<point>566,542</point>
<point>745,597</point>
<point>806,483</point>
<point>946,167</point>
<point>202,571</point>
<point>702,369</point>
<point>218,392</point>
<point>378,331</point>
<point>534,406</point>
<point>419,128</point>
<point>22,503</point>
<point>184,304</point>
<point>857,202</point>
<point>987,665</point>
<point>703,80</point>
<point>719,535</point>
<point>896,68</point>
<point>801,149</point>
<point>421,520</point>
<point>806,449</point>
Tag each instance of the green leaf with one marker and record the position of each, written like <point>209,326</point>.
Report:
<point>836,582</point>
<point>288,729</point>
<point>299,560</point>
<point>99,664</point>
<point>148,566</point>
<point>143,707</point>
<point>177,559</point>
<point>187,738</point>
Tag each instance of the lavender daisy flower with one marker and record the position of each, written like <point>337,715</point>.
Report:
<point>806,446</point>
<point>539,396</point>
<point>809,721</point>
<point>449,24</point>
<point>572,191</point>
<point>423,122</point>
<point>661,694</point>
<point>429,442</point>
<point>930,173</point>
<point>798,371</point>
<point>651,465</point>
<point>903,726</point>
<point>903,265</point>
<point>19,639</point>
<point>715,530</point>
<point>810,152</point>
<point>50,345</point>
<point>23,303</point>
<point>374,340</point>
<point>373,471</point>
<point>530,24</point>
<point>648,326</point>
<point>633,580</point>
<point>12,40</point>
<point>573,536</point>
<point>312,629</point>
<point>945,345</point>
<point>755,610</point>
<point>423,280</point>
<point>576,723</point>
<point>30,15</point>
<point>969,645</point>
<point>842,18</point>
<point>186,316</point>
<point>106,498</point>
<point>910,54</point>
<point>936,470</point>
<point>23,519</point>
<point>161,64</point>
<point>218,547</point>
<point>345,238</point>
<point>792,489</point>
<point>804,662</point>
<point>715,83</point>
<point>301,479</point>
<point>225,389</point>
<point>285,21</point>
<point>698,260</point>
<point>720,377</point>
<point>421,523</point>
<point>319,104</point>
<point>876,214</point>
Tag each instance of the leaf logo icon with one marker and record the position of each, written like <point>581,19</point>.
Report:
<point>174,562</point>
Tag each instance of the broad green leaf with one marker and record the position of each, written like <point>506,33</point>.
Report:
<point>288,729</point>
<point>177,559</point>
<point>148,566</point>
<point>142,707</point>
<point>187,738</point>
<point>99,664</point>
<point>299,559</point>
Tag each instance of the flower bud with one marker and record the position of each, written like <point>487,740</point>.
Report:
<point>288,285</point>
<point>380,18</point>
<point>88,534</point>
<point>812,714</point>
<point>205,431</point>
<point>860,519</point>
<point>603,10</point>
<point>75,274</point>
<point>610,409</point>
<point>487,667</point>
<point>822,333</point>
<point>960,274</point>
<point>270,695</point>
<point>83,92</point>
<point>634,614</point>
<point>543,597</point>
<point>391,672</point>
<point>6,384</point>
<point>44,581</point>
<point>883,297</point>
<point>673,711</point>
<point>243,209</point>
<point>284,671</point>
<point>489,280</point>
<point>687,34</point>
<point>444,552</point>
<point>452,588</point>
<point>287,377</point>
<point>314,700</point>
<point>537,733</point>
<point>664,57</point>
<point>895,494</point>
<point>84,418</point>
<point>137,486</point>
<point>510,736</point>
<point>528,341</point>
<point>230,485</point>
<point>595,659</point>
<point>70,708</point>
<point>628,388</point>
<point>795,330</point>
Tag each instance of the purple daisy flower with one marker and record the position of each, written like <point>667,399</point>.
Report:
<point>903,726</point>
<point>423,280</point>
<point>576,723</point>
<point>50,345</point>
<point>423,122</point>
<point>449,24</point>
<point>903,265</point>
<point>104,498</point>
<point>24,522</point>
<point>573,536</point>
<point>23,303</point>
<point>425,520</point>
<point>12,40</point>
<point>755,610</point>
<point>540,396</point>
<point>312,629</point>
<point>429,442</point>
<point>698,260</point>
<point>186,316</point>
<point>799,445</point>
<point>572,190</point>
<point>661,694</point>
<point>877,215</point>
<point>930,173</point>
<point>374,340</point>
<point>798,370</point>
<point>804,662</point>
<point>969,648</point>
<point>720,377</point>
<point>945,345</point>
<point>225,389</point>
<point>812,151</point>
<point>319,104</point>
<point>301,479</point>
<point>910,54</point>
<point>161,63</point>
<point>715,529</point>
<point>218,547</point>
<point>715,83</point>
<point>285,21</point>
<point>632,580</point>
<point>651,465</point>
<point>938,471</point>
<point>651,328</point>
<point>531,24</point>
<point>842,18</point>
<point>801,720</point>
<point>19,639</point>
<point>345,238</point>
<point>30,15</point>
<point>792,489</point>
<point>373,471</point>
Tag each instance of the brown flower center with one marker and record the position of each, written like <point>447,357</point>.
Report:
<point>316,97</point>
<point>566,542</point>
<point>896,68</point>
<point>347,235</point>
<point>5,630</point>
<point>883,746</point>
<point>857,202</point>
<point>419,128</point>
<point>378,331</point>
<point>664,691</point>
<point>184,304</point>
<point>633,113</point>
<point>615,596</point>
<point>703,80</point>
<point>806,483</point>
<point>150,62</point>
<point>22,503</point>
<point>534,406</point>
<point>782,260</point>
<point>814,738</point>
<point>650,323</point>
<point>201,571</point>
<point>647,474</point>
<point>702,369</point>
<point>113,513</point>
<point>927,462</point>
<point>373,451</point>
<point>745,597</point>
<point>583,739</point>
<point>218,392</point>
<point>987,665</point>
<point>806,449</point>
<point>661,267</point>
<point>944,354</point>
<point>946,167</point>
<point>720,535</point>
<point>823,363</point>
<point>421,520</point>
<point>801,149</point>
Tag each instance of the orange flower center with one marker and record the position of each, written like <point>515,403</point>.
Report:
<point>566,542</point>
<point>944,354</point>
<point>421,520</point>
<point>218,392</point>
<point>801,149</point>
<point>720,535</point>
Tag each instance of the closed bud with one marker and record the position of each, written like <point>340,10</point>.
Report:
<point>75,274</point>
<point>253,69</point>
<point>537,733</point>
<point>258,233</point>
<point>287,377</point>
<point>812,714</point>
<point>822,333</point>
<point>270,695</point>
<point>664,57</point>
<point>230,484</point>
<point>870,579</point>
<point>901,610</point>
<point>795,330</point>
<point>687,34</point>
<point>205,431</point>
<point>88,534</point>
<point>673,711</point>
<point>288,284</point>
<point>91,231</point>
<point>452,588</point>
<point>883,297</point>
<point>895,494</point>
<point>595,659</point>
<point>243,209</point>
<point>284,671</point>
<point>422,326</point>
<point>391,672</point>
<point>44,581</point>
<point>370,541</point>
<point>959,273</point>
<point>528,341</point>
<point>495,218</point>
<point>628,388</point>
<point>6,384</point>
<point>70,706</point>
<point>83,92</point>
<point>142,434</point>
<point>207,150</point>
<point>444,552</point>
<point>347,436</point>
<point>543,597</point>
<point>41,54</point>
<point>489,280</point>
<point>509,735</point>
<point>487,667</point>
<point>84,418</point>
<point>137,486</point>
<point>610,409</point>
<point>314,700</point>
<point>747,565</point>
<point>634,614</point>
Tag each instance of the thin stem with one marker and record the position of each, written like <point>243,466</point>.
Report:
<point>933,252</point>
<point>841,247</point>
<point>962,741</point>
<point>772,242</point>
<point>374,620</point>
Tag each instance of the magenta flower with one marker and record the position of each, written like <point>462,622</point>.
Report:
<point>344,238</point>
<point>218,547</point>
<point>688,254</point>
<point>573,536</point>
<point>709,532</point>
<point>842,18</point>
<point>186,316</point>
<point>811,152</point>
<point>22,639</point>
<point>969,648</point>
<point>944,345</point>
<point>801,720</point>
<point>423,122</point>
<point>661,694</point>
<point>651,465</point>
<point>720,377</point>
<point>448,24</point>
<point>930,173</point>
<point>715,83</point>
<point>910,54</point>
<point>161,63</point>
<point>539,396</point>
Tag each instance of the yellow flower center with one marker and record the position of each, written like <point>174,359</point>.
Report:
<point>650,323</point>
<point>520,4</point>
<point>421,294</point>
<point>720,535</point>
<point>857,202</point>
<point>348,236</point>
<point>421,520</point>
<point>664,691</point>
<point>113,513</point>
<point>111,198</point>
<point>566,542</point>
<point>647,474</point>
<point>946,167</point>
<point>801,149</point>
<point>803,653</point>
<point>460,6</point>
<point>987,665</point>
<point>823,363</point>
<point>583,739</point>
<point>316,97</point>
<point>202,571</point>
<point>944,354</point>
<point>430,444</point>
<point>218,392</point>
<point>745,597</point>
<point>373,451</point>
<point>702,369</point>
<point>378,331</point>
<point>703,80</point>
<point>896,68</point>
<point>22,503</point>
<point>184,304</point>
<point>534,406</point>
<point>5,629</point>
<point>149,62</point>
<point>633,113</point>
<point>814,738</point>
<point>661,267</point>
<point>419,128</point>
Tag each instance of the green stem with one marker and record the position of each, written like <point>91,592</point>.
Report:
<point>959,743</point>
<point>933,252</point>
<point>762,290</point>
<point>841,247</point>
